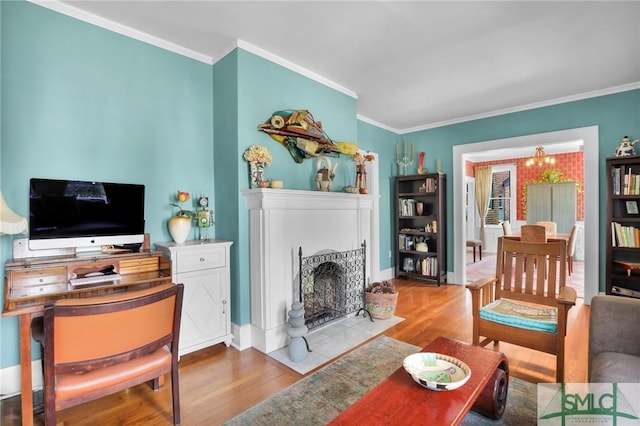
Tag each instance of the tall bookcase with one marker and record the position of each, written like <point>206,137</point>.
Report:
<point>623,226</point>
<point>421,227</point>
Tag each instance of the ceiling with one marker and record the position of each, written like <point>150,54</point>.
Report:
<point>412,65</point>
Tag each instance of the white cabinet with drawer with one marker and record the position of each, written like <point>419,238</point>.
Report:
<point>203,268</point>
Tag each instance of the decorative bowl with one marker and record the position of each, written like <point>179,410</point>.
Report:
<point>437,371</point>
<point>264,184</point>
<point>350,189</point>
<point>277,184</point>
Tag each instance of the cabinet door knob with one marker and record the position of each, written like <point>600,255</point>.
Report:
<point>202,259</point>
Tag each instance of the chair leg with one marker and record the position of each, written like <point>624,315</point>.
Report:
<point>175,391</point>
<point>480,251</point>
<point>474,254</point>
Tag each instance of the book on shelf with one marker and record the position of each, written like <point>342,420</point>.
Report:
<point>407,207</point>
<point>624,236</point>
<point>428,266</point>
<point>615,175</point>
<point>431,185</point>
<point>631,183</point>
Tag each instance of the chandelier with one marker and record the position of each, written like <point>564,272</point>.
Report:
<point>540,158</point>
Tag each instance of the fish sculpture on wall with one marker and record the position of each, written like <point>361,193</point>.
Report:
<point>303,136</point>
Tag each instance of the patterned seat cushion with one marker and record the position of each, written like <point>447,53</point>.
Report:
<point>522,316</point>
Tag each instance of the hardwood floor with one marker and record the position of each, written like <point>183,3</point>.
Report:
<point>217,383</point>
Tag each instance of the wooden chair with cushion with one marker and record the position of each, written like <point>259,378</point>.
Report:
<point>523,305</point>
<point>506,228</point>
<point>571,247</point>
<point>97,346</point>
<point>551,227</point>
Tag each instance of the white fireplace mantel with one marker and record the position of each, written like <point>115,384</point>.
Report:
<point>283,221</point>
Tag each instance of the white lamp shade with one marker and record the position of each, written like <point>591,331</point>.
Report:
<point>10,223</point>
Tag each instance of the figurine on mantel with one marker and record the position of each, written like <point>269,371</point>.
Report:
<point>325,174</point>
<point>625,148</point>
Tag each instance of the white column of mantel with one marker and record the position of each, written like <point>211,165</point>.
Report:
<point>282,221</point>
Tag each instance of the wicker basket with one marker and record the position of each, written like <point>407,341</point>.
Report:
<point>381,305</point>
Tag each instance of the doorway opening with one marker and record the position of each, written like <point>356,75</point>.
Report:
<point>508,146</point>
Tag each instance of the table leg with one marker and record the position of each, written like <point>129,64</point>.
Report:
<point>26,387</point>
<point>493,399</point>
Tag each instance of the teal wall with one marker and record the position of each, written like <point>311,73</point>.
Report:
<point>615,115</point>
<point>263,88</point>
<point>81,102</point>
<point>78,101</point>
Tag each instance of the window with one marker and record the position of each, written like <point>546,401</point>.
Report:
<point>502,198</point>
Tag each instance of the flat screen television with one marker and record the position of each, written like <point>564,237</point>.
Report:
<point>84,215</point>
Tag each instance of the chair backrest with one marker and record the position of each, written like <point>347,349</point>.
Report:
<point>112,328</point>
<point>506,228</point>
<point>571,244</point>
<point>551,227</point>
<point>531,272</point>
<point>84,337</point>
<point>533,234</point>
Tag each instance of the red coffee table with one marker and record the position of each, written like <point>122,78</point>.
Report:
<point>400,400</point>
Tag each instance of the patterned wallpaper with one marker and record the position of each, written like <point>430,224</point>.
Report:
<point>570,165</point>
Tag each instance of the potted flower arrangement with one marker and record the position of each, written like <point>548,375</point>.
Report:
<point>361,170</point>
<point>258,157</point>
<point>180,224</point>
<point>381,299</point>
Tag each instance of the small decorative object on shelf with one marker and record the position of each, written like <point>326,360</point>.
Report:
<point>258,157</point>
<point>325,174</point>
<point>361,170</point>
<point>180,224</point>
<point>625,148</point>
<point>421,169</point>
<point>381,299</point>
<point>204,217</point>
<point>406,160</point>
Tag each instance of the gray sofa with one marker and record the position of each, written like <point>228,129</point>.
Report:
<point>614,340</point>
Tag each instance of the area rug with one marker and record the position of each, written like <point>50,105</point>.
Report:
<point>333,340</point>
<point>320,397</point>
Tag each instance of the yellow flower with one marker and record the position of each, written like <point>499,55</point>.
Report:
<point>182,197</point>
<point>361,159</point>
<point>259,154</point>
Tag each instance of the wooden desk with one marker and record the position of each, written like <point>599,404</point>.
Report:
<point>399,400</point>
<point>31,283</point>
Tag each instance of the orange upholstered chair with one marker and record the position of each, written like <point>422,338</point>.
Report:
<point>97,346</point>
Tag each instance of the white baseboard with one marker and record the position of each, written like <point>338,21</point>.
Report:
<point>241,336</point>
<point>10,379</point>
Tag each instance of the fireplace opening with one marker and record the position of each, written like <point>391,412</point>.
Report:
<point>331,285</point>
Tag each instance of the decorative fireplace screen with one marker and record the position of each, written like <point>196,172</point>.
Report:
<point>332,285</point>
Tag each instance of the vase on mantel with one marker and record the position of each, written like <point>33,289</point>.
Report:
<point>256,173</point>
<point>361,178</point>
<point>179,228</point>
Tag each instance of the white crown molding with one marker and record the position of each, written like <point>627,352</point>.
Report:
<point>377,124</point>
<point>572,98</point>
<point>107,24</point>
<point>73,12</point>
<point>295,68</point>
